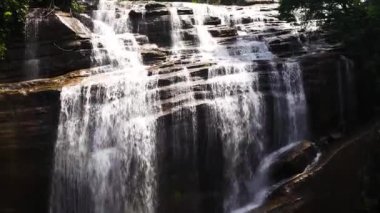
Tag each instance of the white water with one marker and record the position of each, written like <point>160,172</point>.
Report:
<point>239,106</point>
<point>105,157</point>
<point>260,184</point>
<point>105,152</point>
<point>32,25</point>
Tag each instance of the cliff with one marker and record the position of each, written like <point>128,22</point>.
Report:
<point>58,52</point>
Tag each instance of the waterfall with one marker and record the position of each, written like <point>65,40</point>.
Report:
<point>105,150</point>
<point>109,144</point>
<point>32,25</point>
<point>239,106</point>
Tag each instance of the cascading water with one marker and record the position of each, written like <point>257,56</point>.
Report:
<point>32,65</point>
<point>105,151</point>
<point>239,106</point>
<point>106,154</point>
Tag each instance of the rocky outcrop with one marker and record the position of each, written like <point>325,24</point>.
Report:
<point>334,183</point>
<point>43,54</point>
<point>29,109</point>
<point>293,161</point>
<point>330,91</point>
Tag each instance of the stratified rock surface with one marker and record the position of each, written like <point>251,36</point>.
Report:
<point>58,52</point>
<point>55,43</point>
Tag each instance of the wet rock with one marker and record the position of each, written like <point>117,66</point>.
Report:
<point>141,13</point>
<point>189,35</point>
<point>85,19</point>
<point>154,6</point>
<point>27,136</point>
<point>253,2</point>
<point>135,14</point>
<point>211,20</point>
<point>293,161</point>
<point>73,24</point>
<point>185,11</point>
<point>142,39</point>
<point>284,43</point>
<point>321,85</point>
<point>42,53</point>
<point>186,24</point>
<point>152,54</point>
<point>223,31</point>
<point>246,20</point>
<point>159,12</point>
<point>156,28</point>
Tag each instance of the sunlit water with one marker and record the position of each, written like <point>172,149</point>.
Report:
<point>105,151</point>
<point>105,156</point>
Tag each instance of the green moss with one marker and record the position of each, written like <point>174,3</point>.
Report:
<point>77,7</point>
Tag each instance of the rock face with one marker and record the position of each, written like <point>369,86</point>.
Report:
<point>29,110</point>
<point>27,135</point>
<point>324,188</point>
<point>56,43</point>
<point>326,76</point>
<point>45,54</point>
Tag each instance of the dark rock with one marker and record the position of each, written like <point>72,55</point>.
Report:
<point>156,28</point>
<point>153,54</point>
<point>27,136</point>
<point>85,19</point>
<point>293,161</point>
<point>135,14</point>
<point>336,135</point>
<point>142,39</point>
<point>159,12</point>
<point>186,24</point>
<point>328,109</point>
<point>284,43</point>
<point>211,20</point>
<point>246,20</point>
<point>185,11</point>
<point>154,6</point>
<point>189,35</point>
<point>223,31</point>
<point>253,2</point>
<point>42,54</point>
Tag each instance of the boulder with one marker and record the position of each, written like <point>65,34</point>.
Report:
<point>293,161</point>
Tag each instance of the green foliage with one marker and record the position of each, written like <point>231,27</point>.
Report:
<point>12,17</point>
<point>13,14</point>
<point>77,7</point>
<point>354,23</point>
